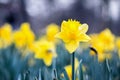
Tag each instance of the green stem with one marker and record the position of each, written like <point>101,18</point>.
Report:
<point>73,66</point>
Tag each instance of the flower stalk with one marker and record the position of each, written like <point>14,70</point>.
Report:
<point>73,66</point>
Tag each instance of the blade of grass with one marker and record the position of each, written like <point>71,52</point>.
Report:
<point>54,74</point>
<point>40,78</point>
<point>108,68</point>
<point>65,75</point>
<point>80,76</point>
<point>26,75</point>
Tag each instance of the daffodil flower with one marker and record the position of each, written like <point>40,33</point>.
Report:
<point>45,50</point>
<point>5,35</point>
<point>24,37</point>
<point>118,42</point>
<point>72,32</point>
<point>107,39</point>
<point>103,43</point>
<point>51,31</point>
<point>118,45</point>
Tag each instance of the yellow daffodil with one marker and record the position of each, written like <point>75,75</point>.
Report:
<point>24,37</point>
<point>96,42</point>
<point>107,39</point>
<point>30,36</point>
<point>118,42</point>
<point>51,31</point>
<point>19,39</point>
<point>73,32</point>
<point>118,45</point>
<point>103,43</point>
<point>68,69</point>
<point>44,50</point>
<point>5,35</point>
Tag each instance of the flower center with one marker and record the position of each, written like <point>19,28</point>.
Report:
<point>72,36</point>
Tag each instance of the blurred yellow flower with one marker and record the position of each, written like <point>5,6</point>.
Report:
<point>69,69</point>
<point>24,37</point>
<point>103,56</point>
<point>103,43</point>
<point>45,50</point>
<point>19,39</point>
<point>118,42</point>
<point>72,32</point>
<point>92,53</point>
<point>30,36</point>
<point>96,43</point>
<point>51,31</point>
<point>5,35</point>
<point>118,45</point>
<point>107,39</point>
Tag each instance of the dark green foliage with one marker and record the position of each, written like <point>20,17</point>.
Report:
<point>13,66</point>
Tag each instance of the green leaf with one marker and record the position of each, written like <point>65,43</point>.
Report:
<point>54,76</point>
<point>65,75</point>
<point>80,76</point>
<point>40,78</point>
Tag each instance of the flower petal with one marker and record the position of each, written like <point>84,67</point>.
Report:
<point>69,71</point>
<point>84,38</point>
<point>101,57</point>
<point>58,35</point>
<point>70,25</point>
<point>48,59</point>
<point>39,55</point>
<point>72,46</point>
<point>64,26</point>
<point>62,36</point>
<point>83,28</point>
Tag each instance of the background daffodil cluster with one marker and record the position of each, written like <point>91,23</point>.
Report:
<point>26,56</point>
<point>104,43</point>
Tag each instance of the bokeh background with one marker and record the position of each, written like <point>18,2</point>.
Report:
<point>17,61</point>
<point>99,14</point>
